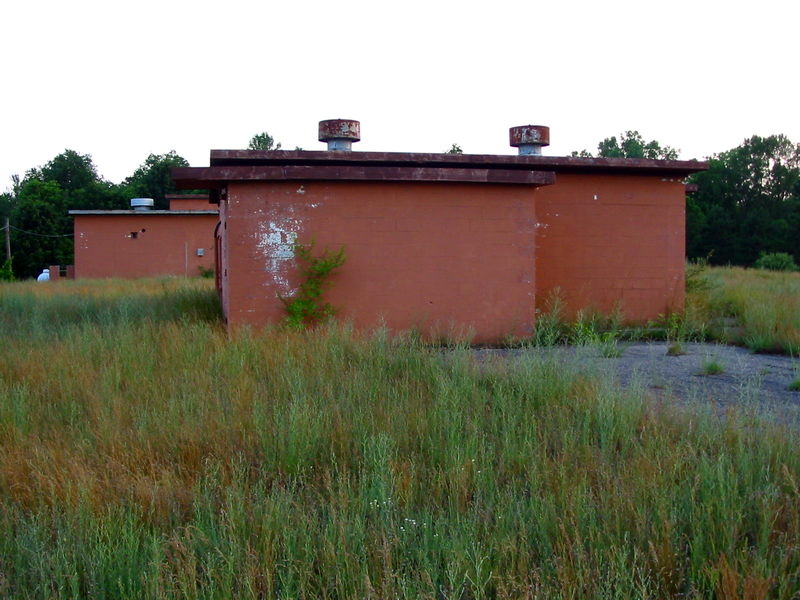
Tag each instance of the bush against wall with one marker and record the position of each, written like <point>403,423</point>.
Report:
<point>306,306</point>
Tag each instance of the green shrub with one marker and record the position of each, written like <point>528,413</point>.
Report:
<point>6,272</point>
<point>696,280</point>
<point>776,261</point>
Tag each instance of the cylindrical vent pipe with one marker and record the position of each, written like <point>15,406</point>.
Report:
<point>142,203</point>
<point>529,139</point>
<point>340,133</point>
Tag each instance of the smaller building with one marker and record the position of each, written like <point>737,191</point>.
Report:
<point>142,242</point>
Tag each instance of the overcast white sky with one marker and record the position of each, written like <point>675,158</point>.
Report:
<point>122,79</point>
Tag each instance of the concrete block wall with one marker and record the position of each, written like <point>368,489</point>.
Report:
<point>453,260</point>
<point>608,241</point>
<point>143,245</point>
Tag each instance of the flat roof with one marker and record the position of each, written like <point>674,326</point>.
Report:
<point>276,165</point>
<point>221,158</point>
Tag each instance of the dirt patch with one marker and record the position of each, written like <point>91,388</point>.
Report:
<point>760,380</point>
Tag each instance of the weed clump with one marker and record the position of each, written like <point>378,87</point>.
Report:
<point>550,326</point>
<point>711,366</point>
<point>675,349</point>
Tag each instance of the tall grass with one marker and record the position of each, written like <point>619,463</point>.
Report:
<point>144,458</point>
<point>42,310</point>
<point>759,309</point>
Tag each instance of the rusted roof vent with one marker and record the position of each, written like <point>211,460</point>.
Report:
<point>142,203</point>
<point>339,133</point>
<point>529,138</point>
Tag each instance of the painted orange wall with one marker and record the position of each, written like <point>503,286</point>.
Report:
<point>612,240</point>
<point>190,202</point>
<point>164,244</point>
<point>446,259</point>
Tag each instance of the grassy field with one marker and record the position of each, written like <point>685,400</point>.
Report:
<point>146,453</point>
<point>755,308</point>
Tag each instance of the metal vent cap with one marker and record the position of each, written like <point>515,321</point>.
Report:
<point>142,203</point>
<point>529,139</point>
<point>339,133</point>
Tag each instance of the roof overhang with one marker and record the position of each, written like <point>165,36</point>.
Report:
<point>217,176</point>
<point>486,161</point>
<point>277,165</point>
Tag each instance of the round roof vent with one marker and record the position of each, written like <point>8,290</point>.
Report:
<point>529,139</point>
<point>142,203</point>
<point>339,133</point>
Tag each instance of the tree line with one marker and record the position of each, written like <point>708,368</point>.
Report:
<point>37,204</point>
<point>747,203</point>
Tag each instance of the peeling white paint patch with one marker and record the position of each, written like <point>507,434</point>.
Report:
<point>301,190</point>
<point>275,236</point>
<point>275,241</point>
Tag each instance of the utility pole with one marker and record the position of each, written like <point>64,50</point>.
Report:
<point>8,238</point>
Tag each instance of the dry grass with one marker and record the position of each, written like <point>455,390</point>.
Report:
<point>144,458</point>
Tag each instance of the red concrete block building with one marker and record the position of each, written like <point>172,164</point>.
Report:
<point>451,245</point>
<point>142,242</point>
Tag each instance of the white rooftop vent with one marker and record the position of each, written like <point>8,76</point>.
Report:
<point>142,203</point>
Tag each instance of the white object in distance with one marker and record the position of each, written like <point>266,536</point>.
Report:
<point>44,275</point>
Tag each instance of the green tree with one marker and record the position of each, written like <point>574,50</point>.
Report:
<point>70,170</point>
<point>6,205</point>
<point>747,202</point>
<point>263,141</point>
<point>455,149</point>
<point>41,229</point>
<point>77,177</point>
<point>630,145</point>
<point>153,178</point>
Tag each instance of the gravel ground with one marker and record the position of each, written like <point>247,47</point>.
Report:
<point>755,380</point>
